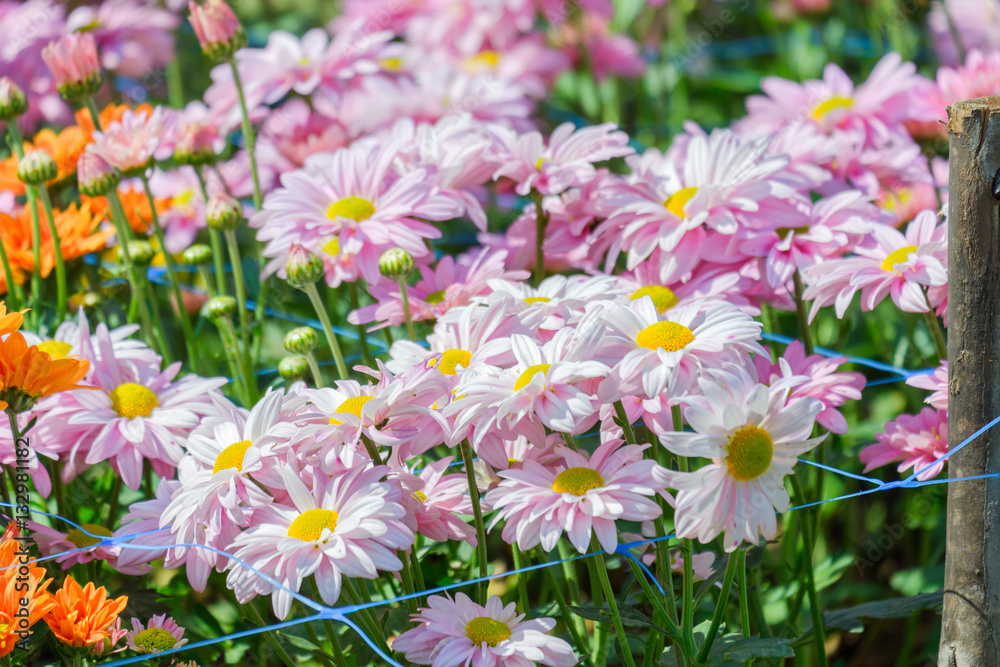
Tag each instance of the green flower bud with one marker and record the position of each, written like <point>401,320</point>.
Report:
<point>37,167</point>
<point>198,254</point>
<point>396,264</point>
<point>293,368</point>
<point>13,103</point>
<point>142,253</point>
<point>218,307</point>
<point>303,267</point>
<point>301,340</point>
<point>222,212</point>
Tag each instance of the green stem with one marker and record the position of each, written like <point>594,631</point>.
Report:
<point>407,577</point>
<point>229,342</point>
<point>206,277</point>
<point>13,289</point>
<point>757,608</point>
<point>331,631</point>
<point>159,331</point>
<point>577,631</point>
<point>241,297</point>
<point>609,593</point>
<point>215,239</point>
<point>269,636</point>
<point>418,574</point>
<point>599,647</point>
<point>937,335</point>
<point>626,424</point>
<point>189,339</point>
<point>406,311</point>
<point>95,116</point>
<point>331,338</point>
<point>819,632</point>
<point>653,596</point>
<point>741,581</point>
<point>314,367</point>
<point>521,560</point>
<point>541,222</point>
<point>802,313</point>
<point>58,491</point>
<point>116,490</point>
<point>62,301</point>
<point>249,138</point>
<point>122,233</point>
<point>720,608</point>
<point>477,511</point>
<point>7,470</point>
<point>36,247</point>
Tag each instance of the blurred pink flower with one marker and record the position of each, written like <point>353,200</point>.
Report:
<point>133,37</point>
<point>918,441</point>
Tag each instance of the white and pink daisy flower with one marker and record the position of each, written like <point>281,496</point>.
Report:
<point>552,386</point>
<point>462,633</point>
<point>936,382</point>
<point>567,161</point>
<point>753,436</point>
<point>652,352</point>
<point>344,526</point>
<point>160,634</point>
<point>579,496</point>
<point>439,501</point>
<point>150,542</point>
<point>902,267</point>
<point>56,543</point>
<point>347,207</point>
<point>132,143</point>
<point>918,441</point>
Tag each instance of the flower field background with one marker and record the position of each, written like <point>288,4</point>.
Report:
<point>422,332</point>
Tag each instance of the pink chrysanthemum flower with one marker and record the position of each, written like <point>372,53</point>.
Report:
<point>753,436</point>
<point>557,302</point>
<point>141,413</point>
<point>160,634</point>
<point>567,161</point>
<point>674,196</point>
<point>132,143</point>
<point>344,526</point>
<point>151,543</point>
<point>820,381</point>
<point>462,633</point>
<point>918,441</point>
<point>550,386</point>
<point>895,265</point>
<point>347,207</point>
<point>452,282</point>
<point>652,352</point>
<point>978,77</point>
<point>936,382</point>
<point>580,497</point>
<point>73,62</point>
<point>439,500</point>
<point>115,633</point>
<point>52,542</point>
<point>134,38</point>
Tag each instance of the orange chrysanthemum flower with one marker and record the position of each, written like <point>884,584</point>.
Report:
<point>79,234</point>
<point>136,207</point>
<point>12,589</point>
<point>27,373</point>
<point>82,616</point>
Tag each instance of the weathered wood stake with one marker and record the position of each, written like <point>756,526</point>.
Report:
<point>970,630</point>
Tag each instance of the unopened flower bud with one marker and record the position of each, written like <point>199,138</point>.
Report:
<point>198,254</point>
<point>141,252</point>
<point>293,368</point>
<point>37,167</point>
<point>303,267</point>
<point>301,340</point>
<point>219,31</point>
<point>222,212</point>
<point>13,103</point>
<point>95,176</point>
<point>396,264</point>
<point>195,144</point>
<point>219,307</point>
<point>74,65</point>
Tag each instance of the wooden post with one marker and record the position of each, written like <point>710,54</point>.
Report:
<point>970,629</point>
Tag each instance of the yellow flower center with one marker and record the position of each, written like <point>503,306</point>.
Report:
<point>532,300</point>
<point>354,208</point>
<point>538,165</point>
<point>232,456</point>
<point>577,481</point>
<point>332,247</point>
<point>897,257</point>
<point>483,59</point>
<point>450,359</point>
<point>391,64</point>
<point>420,495</point>
<point>663,297</point>
<point>80,539</point>
<point>529,373</point>
<point>154,640</point>
<point>677,201</point>
<point>434,298</point>
<point>823,108</point>
<point>351,406</point>
<point>133,400</point>
<point>55,348</point>
<point>668,335</point>
<point>485,629</point>
<point>309,525</point>
<point>749,453</point>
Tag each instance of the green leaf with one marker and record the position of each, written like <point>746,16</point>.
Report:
<point>850,619</point>
<point>737,648</point>
<point>632,618</point>
<point>301,643</point>
<point>830,569</point>
<point>918,580</point>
